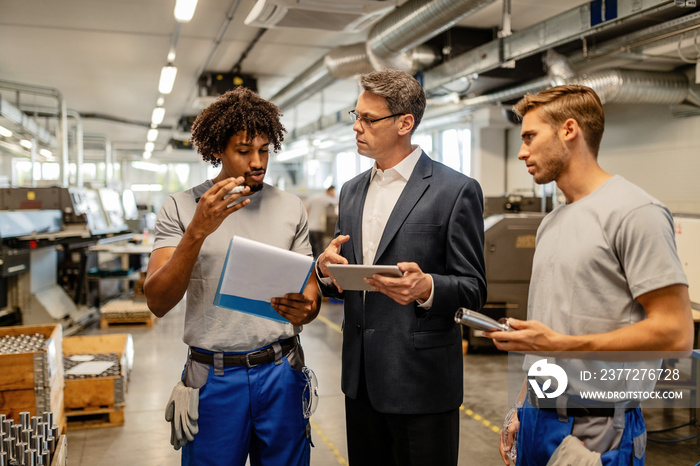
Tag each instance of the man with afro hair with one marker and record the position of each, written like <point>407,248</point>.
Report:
<point>242,387</point>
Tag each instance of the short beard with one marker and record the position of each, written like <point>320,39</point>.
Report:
<point>255,188</point>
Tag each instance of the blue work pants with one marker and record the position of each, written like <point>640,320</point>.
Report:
<point>541,432</point>
<point>256,411</point>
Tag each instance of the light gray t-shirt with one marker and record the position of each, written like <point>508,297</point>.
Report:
<point>272,217</point>
<point>593,257</point>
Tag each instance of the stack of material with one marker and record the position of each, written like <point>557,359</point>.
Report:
<point>97,369</point>
<point>31,371</point>
<point>33,440</point>
<point>126,311</point>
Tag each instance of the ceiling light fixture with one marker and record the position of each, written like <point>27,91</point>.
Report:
<point>5,132</point>
<point>46,153</point>
<point>184,10</point>
<point>152,135</point>
<point>161,101</point>
<point>157,115</point>
<point>26,143</point>
<point>292,154</point>
<point>167,79</point>
<point>146,155</point>
<point>149,147</point>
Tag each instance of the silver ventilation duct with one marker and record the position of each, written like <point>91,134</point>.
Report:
<point>636,87</point>
<point>416,22</point>
<point>388,45</point>
<point>612,86</point>
<point>348,60</point>
<point>559,70</point>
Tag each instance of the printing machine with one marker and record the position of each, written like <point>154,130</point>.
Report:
<point>44,237</point>
<point>510,228</point>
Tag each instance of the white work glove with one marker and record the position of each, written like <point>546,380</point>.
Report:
<point>182,413</point>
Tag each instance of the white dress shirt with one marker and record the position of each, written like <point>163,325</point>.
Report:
<point>384,190</point>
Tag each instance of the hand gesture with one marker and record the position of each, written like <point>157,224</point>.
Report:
<point>216,204</point>
<point>526,336</point>
<point>413,285</point>
<point>332,256</point>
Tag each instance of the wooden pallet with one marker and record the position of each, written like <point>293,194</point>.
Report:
<point>106,322</point>
<point>60,454</point>
<point>94,418</point>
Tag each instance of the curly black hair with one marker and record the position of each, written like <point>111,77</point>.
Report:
<point>237,110</point>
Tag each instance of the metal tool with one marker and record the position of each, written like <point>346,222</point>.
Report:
<point>480,321</point>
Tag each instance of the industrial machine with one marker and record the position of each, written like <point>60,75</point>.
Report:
<point>510,229</point>
<point>509,246</point>
<point>45,234</point>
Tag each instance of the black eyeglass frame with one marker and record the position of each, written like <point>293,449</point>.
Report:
<point>355,117</point>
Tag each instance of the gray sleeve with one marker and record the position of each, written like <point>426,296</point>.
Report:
<point>647,250</point>
<point>301,242</point>
<point>169,228</point>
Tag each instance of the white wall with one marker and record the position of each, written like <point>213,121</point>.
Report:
<point>647,145</point>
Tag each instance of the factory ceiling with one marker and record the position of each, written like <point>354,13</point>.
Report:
<point>99,62</point>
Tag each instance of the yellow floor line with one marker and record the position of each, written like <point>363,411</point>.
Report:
<point>329,323</point>
<point>329,444</point>
<point>480,419</point>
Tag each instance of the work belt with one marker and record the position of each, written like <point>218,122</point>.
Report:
<point>252,359</point>
<point>577,408</point>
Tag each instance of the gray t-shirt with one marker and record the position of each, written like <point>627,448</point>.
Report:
<point>272,217</point>
<point>595,256</point>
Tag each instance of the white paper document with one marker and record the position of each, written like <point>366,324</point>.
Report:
<point>90,368</point>
<point>254,273</point>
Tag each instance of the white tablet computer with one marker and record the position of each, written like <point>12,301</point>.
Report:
<point>351,276</point>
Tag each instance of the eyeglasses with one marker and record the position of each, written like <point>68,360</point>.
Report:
<point>366,122</point>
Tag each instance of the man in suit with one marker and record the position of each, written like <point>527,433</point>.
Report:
<point>402,351</point>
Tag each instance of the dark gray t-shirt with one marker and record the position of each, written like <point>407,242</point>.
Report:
<point>272,217</point>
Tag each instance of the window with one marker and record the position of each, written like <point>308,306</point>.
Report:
<point>345,167</point>
<point>425,141</point>
<point>456,149</point>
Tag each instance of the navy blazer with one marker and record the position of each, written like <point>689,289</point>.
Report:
<point>413,356</point>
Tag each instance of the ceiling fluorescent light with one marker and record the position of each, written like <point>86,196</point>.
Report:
<point>146,187</point>
<point>292,154</point>
<point>167,79</point>
<point>147,155</point>
<point>184,10</point>
<point>26,143</point>
<point>149,147</point>
<point>46,153</point>
<point>5,132</point>
<point>148,166</point>
<point>158,115</point>
<point>152,135</point>
<point>160,102</point>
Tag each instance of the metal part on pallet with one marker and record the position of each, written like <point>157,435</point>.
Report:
<point>47,418</point>
<point>45,457</point>
<point>71,361</point>
<point>24,419</point>
<point>30,457</point>
<point>12,344</point>
<point>19,451</point>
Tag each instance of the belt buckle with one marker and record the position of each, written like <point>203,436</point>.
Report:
<point>248,364</point>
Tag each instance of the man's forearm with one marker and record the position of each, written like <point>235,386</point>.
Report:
<point>166,285</point>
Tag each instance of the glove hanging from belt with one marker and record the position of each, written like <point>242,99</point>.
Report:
<point>182,413</point>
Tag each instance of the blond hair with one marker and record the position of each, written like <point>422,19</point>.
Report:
<point>560,103</point>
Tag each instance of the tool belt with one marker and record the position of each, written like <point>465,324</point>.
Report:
<point>579,408</point>
<point>252,359</point>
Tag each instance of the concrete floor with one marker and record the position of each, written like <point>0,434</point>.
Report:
<point>143,440</point>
